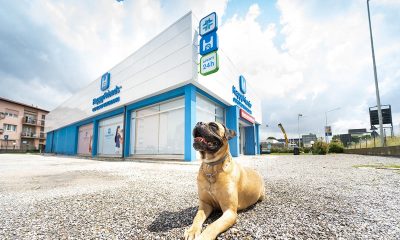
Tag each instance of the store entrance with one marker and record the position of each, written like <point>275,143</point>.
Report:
<point>246,138</point>
<point>241,139</point>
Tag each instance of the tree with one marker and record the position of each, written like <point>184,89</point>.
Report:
<point>336,138</point>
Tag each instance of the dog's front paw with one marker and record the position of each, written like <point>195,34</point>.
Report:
<point>192,233</point>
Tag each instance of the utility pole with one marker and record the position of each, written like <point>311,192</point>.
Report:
<point>378,100</point>
<point>326,121</point>
<point>298,125</point>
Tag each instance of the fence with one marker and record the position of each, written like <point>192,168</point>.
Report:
<point>370,142</point>
<point>393,151</point>
<point>23,148</point>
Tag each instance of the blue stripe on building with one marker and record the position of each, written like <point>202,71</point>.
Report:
<point>65,140</point>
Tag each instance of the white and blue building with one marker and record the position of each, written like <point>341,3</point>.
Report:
<point>147,105</point>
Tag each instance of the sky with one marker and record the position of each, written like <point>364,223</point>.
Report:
<point>303,56</point>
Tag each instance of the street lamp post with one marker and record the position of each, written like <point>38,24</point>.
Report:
<point>326,121</point>
<point>298,125</point>
<point>378,100</point>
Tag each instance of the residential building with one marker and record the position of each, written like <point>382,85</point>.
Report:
<point>21,125</point>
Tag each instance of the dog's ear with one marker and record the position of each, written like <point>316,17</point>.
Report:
<point>229,134</point>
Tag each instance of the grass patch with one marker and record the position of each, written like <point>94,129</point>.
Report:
<point>379,166</point>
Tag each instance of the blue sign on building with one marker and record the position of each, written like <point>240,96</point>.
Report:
<point>209,43</point>
<point>208,24</point>
<point>239,96</point>
<point>242,84</point>
<point>105,81</point>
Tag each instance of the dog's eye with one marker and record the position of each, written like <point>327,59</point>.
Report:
<point>214,127</point>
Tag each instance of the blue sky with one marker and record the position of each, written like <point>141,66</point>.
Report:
<point>304,56</point>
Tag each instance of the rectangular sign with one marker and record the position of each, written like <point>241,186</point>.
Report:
<point>246,116</point>
<point>208,24</point>
<point>209,43</point>
<point>328,131</point>
<point>209,64</point>
<point>386,116</point>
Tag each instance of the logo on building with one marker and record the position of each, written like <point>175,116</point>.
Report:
<point>208,44</point>
<point>242,84</point>
<point>105,81</point>
<point>100,102</point>
<point>239,96</point>
<point>208,24</point>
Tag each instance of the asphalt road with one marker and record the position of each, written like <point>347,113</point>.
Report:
<point>308,197</point>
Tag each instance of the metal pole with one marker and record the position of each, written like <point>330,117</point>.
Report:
<point>326,124</point>
<point>378,100</point>
<point>298,125</point>
<point>326,121</point>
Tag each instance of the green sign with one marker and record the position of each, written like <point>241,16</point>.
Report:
<point>209,63</point>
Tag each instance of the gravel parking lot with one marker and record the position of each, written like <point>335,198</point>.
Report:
<point>308,197</point>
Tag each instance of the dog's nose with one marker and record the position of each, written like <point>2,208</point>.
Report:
<point>199,124</point>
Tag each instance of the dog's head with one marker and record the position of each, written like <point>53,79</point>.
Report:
<point>212,137</point>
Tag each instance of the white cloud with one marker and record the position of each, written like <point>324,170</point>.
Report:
<point>324,61</point>
<point>324,64</point>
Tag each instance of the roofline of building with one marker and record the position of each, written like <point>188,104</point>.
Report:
<point>23,104</point>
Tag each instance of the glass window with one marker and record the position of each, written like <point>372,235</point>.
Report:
<point>111,134</point>
<point>171,131</point>
<point>159,129</point>
<point>147,129</point>
<point>10,127</point>
<point>208,111</point>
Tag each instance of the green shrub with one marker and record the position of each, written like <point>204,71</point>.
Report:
<point>336,147</point>
<point>306,149</point>
<point>320,148</point>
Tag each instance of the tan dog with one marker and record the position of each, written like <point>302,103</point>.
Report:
<point>222,183</point>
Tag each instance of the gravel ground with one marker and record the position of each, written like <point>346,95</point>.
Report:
<point>308,197</point>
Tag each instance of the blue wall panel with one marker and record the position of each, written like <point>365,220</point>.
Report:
<point>232,122</point>
<point>65,140</point>
<point>49,142</point>
<point>258,150</point>
<point>250,141</point>
<point>127,134</point>
<point>95,137</point>
<point>190,121</point>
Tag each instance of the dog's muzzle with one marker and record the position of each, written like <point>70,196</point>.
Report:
<point>205,139</point>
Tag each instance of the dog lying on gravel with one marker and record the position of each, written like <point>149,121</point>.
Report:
<point>222,183</point>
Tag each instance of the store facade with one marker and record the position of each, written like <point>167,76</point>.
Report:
<point>147,106</point>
